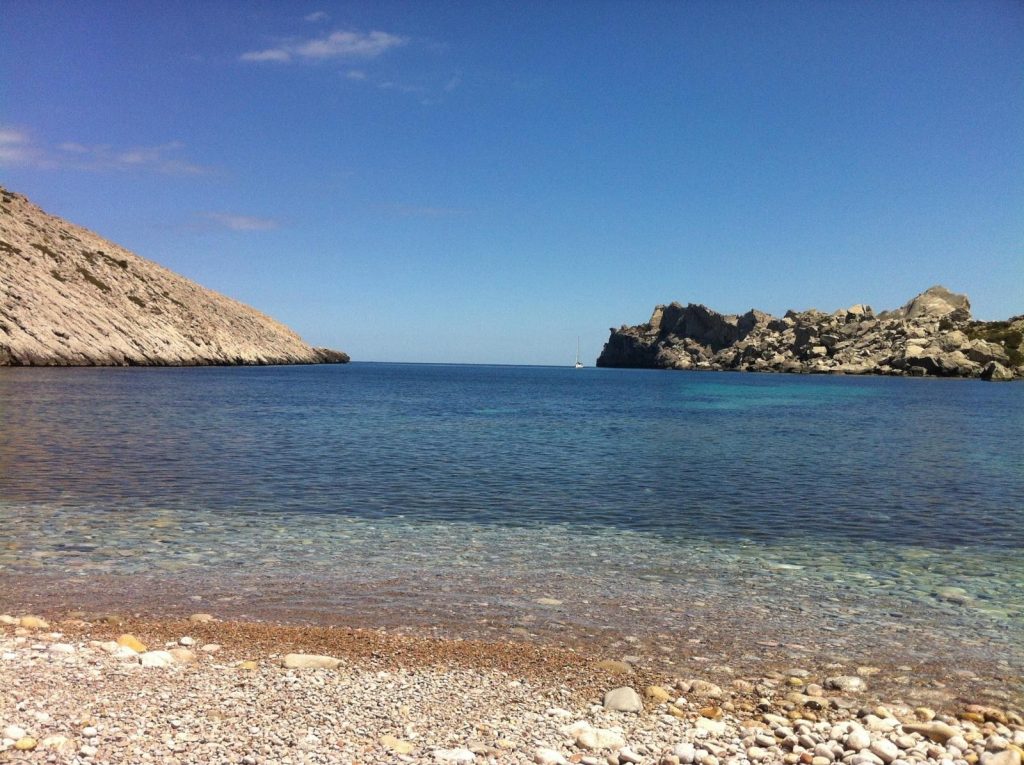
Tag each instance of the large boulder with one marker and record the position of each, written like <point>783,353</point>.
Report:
<point>996,372</point>
<point>938,302</point>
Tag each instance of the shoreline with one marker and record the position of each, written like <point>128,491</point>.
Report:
<point>403,698</point>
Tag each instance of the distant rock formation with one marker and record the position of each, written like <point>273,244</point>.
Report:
<point>933,334</point>
<point>71,298</point>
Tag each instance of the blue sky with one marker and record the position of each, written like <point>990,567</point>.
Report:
<point>484,182</point>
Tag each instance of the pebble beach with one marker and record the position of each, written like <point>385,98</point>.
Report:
<point>96,689</point>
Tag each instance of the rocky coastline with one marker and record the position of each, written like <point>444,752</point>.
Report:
<point>68,297</point>
<point>933,335</point>
<point>115,689</point>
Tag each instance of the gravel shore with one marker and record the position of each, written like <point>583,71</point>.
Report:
<point>200,690</point>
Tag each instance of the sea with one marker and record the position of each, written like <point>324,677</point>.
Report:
<point>676,519</point>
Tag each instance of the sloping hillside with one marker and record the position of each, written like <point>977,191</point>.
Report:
<point>71,298</point>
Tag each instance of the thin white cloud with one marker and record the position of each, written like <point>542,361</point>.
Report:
<point>452,84</point>
<point>241,222</point>
<point>355,74</point>
<point>159,159</point>
<point>317,16</point>
<point>271,54</point>
<point>17,147</point>
<point>340,44</point>
<point>424,211</point>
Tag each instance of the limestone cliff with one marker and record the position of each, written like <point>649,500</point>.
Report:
<point>70,298</point>
<point>933,334</point>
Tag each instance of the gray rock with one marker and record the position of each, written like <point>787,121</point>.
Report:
<point>454,756</point>
<point>156,659</point>
<point>858,739</point>
<point>309,661</point>
<point>1005,757</point>
<point>996,372</point>
<point>886,750</point>
<point>599,738</point>
<point>623,699</point>
<point>549,757</point>
<point>846,683</point>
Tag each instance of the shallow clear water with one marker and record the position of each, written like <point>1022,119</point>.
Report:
<point>428,494</point>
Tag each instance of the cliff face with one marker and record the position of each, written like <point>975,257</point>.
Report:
<point>933,334</point>
<point>70,298</point>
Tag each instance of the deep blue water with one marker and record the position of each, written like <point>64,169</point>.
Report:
<point>716,456</point>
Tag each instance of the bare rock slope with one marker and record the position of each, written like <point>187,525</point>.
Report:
<point>932,335</point>
<point>71,298</point>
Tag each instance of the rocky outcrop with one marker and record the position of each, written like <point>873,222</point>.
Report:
<point>932,335</point>
<point>70,298</point>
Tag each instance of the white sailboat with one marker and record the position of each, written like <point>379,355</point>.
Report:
<point>579,364</point>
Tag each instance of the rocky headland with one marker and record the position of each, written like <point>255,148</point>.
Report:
<point>68,297</point>
<point>934,334</point>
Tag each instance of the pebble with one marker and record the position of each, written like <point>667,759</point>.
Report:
<point>310,661</point>
<point>186,641</point>
<point>14,732</point>
<point>25,744</point>
<point>201,618</point>
<point>455,756</point>
<point>685,752</point>
<point>588,737</point>
<point>549,757</point>
<point>182,655</point>
<point>846,683</point>
<point>57,743</point>
<point>657,694</point>
<point>33,623</point>
<point>397,745</point>
<point>156,659</point>
<point>1005,757</point>
<point>857,739</point>
<point>623,699</point>
<point>130,641</point>
<point>715,727</point>
<point>615,667</point>
<point>885,750</point>
<point>935,730</point>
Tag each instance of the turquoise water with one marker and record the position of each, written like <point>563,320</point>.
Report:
<point>460,495</point>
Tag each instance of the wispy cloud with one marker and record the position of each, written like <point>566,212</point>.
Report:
<point>271,54</point>
<point>160,159</point>
<point>241,222</point>
<point>317,16</point>
<point>339,44</point>
<point>17,147</point>
<point>425,211</point>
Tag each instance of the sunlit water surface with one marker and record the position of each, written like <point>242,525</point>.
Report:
<point>837,516</point>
